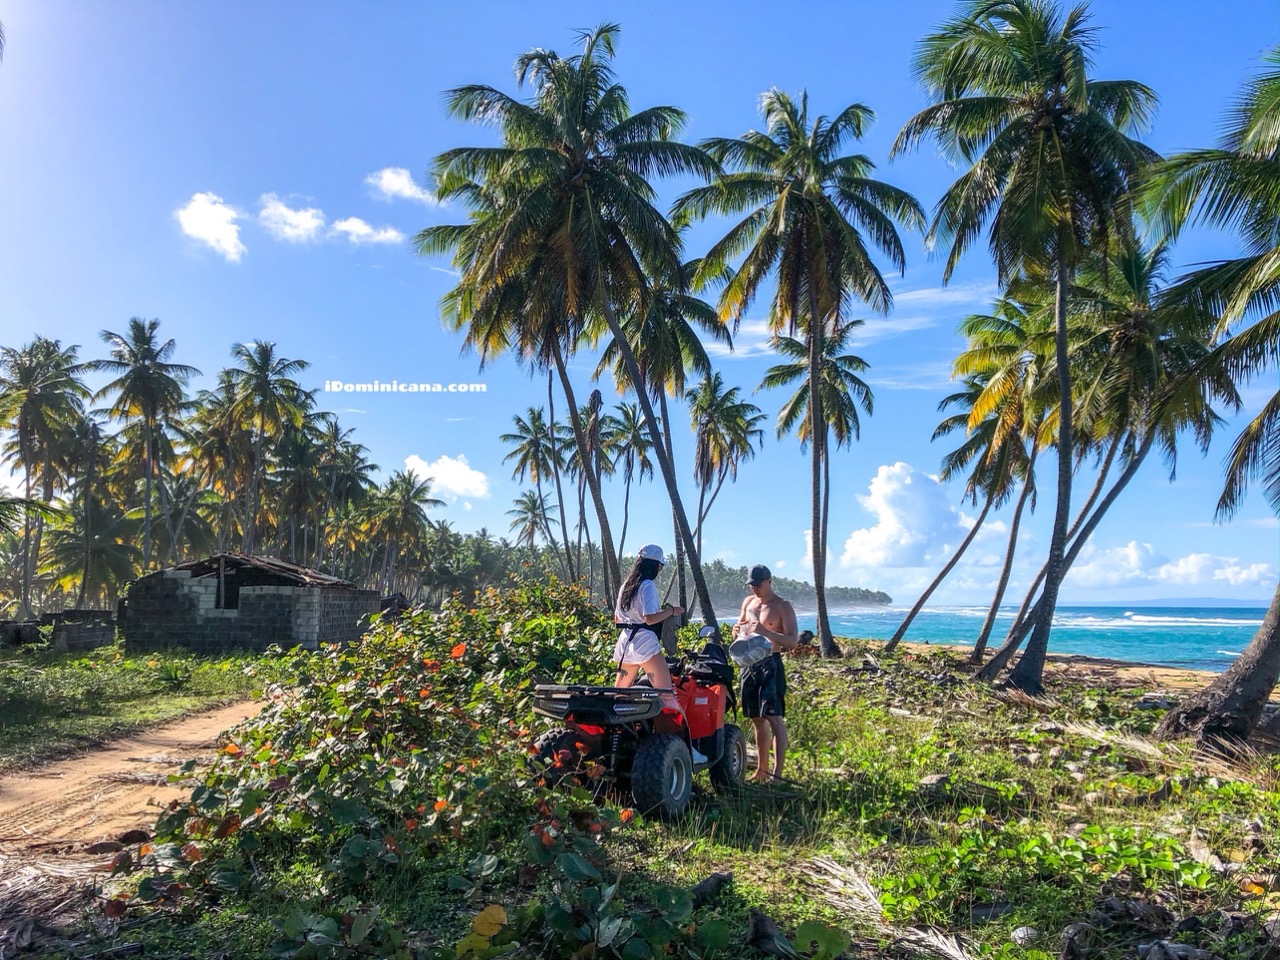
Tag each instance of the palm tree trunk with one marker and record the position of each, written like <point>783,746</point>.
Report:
<point>611,576</point>
<point>249,534</point>
<point>626,514</point>
<point>1028,674</point>
<point>24,608</point>
<point>675,524</point>
<point>555,472</point>
<point>147,458</point>
<point>664,462</point>
<point>817,433</point>
<point>984,634</point>
<point>942,575</point>
<point>1018,633</point>
<point>1230,706</point>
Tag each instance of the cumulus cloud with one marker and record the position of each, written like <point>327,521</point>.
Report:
<point>1138,563</point>
<point>357,231</point>
<point>915,521</point>
<point>208,218</point>
<point>753,339</point>
<point>285,223</point>
<point>450,475</point>
<point>391,183</point>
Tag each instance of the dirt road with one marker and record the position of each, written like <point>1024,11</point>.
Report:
<point>118,786</point>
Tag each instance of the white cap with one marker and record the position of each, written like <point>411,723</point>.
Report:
<point>651,551</point>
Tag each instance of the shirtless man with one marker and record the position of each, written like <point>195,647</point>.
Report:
<point>764,685</point>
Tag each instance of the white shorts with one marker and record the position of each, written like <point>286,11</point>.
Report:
<point>636,647</point>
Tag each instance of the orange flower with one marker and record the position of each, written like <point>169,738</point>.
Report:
<point>441,805</point>
<point>458,651</point>
<point>232,750</point>
<point>424,692</point>
<point>626,816</point>
<point>411,824</point>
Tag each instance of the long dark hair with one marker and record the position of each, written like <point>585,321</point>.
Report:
<point>643,570</point>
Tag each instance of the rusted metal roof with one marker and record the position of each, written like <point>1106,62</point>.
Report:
<point>302,576</point>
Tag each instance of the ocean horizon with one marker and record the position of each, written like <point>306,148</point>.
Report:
<point>1190,637</point>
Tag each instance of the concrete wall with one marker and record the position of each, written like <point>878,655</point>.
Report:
<point>173,610</point>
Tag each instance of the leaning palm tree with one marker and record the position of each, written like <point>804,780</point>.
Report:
<point>564,227</point>
<point>148,388</point>
<point>844,391</point>
<point>1234,186</point>
<point>726,433</point>
<point>1050,166</point>
<point>810,212</point>
<point>266,396</point>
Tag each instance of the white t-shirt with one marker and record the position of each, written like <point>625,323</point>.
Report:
<point>644,602</point>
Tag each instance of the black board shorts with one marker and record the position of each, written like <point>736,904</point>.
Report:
<point>764,688</point>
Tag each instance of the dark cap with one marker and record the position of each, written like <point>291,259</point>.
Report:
<point>759,574</point>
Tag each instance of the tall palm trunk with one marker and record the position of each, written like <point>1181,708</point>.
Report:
<point>675,524</point>
<point>1230,706</point>
<point>555,472</point>
<point>611,577</point>
<point>1028,674</point>
<point>664,462</point>
<point>626,513</point>
<point>1018,633</point>
<point>984,634</point>
<point>942,575</point>
<point>817,433</point>
<point>148,456</point>
<point>249,534</point>
<point>28,569</point>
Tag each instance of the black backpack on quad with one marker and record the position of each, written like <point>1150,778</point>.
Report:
<point>625,737</point>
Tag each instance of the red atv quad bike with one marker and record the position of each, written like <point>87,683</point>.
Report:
<point>640,743</point>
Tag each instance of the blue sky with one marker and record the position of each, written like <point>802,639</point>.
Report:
<point>255,171</point>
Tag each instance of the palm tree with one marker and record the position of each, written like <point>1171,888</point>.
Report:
<point>564,226</point>
<point>809,214</point>
<point>43,399</point>
<point>536,454</point>
<point>148,389</point>
<point>843,392</point>
<point>266,396</point>
<point>626,437</point>
<point>1234,187</point>
<point>1050,170</point>
<point>530,518</point>
<point>667,340</point>
<point>726,431</point>
<point>401,519</point>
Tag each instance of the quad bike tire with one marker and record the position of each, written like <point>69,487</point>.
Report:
<point>662,776</point>
<point>560,751</point>
<point>730,771</point>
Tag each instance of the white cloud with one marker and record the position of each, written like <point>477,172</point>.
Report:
<point>915,521</point>
<point>450,475</point>
<point>285,223</point>
<point>977,292</point>
<point>925,375</point>
<point>393,182</point>
<point>753,339</point>
<point>1139,563</point>
<point>212,221</point>
<point>357,231</point>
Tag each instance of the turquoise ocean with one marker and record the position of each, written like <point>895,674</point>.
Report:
<point>1195,638</point>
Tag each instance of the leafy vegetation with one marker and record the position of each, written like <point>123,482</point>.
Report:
<point>385,803</point>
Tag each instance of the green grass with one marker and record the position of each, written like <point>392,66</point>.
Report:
<point>52,703</point>
<point>1054,812</point>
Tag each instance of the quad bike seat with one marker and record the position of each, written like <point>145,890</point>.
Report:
<point>597,704</point>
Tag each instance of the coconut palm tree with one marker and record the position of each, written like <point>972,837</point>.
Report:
<point>266,396</point>
<point>811,211</point>
<point>1233,186</point>
<point>401,519</point>
<point>148,389</point>
<point>529,513</point>
<point>667,339</point>
<point>844,391</point>
<point>1050,167</point>
<point>537,455</point>
<point>626,436</point>
<point>564,215</point>
<point>726,433</point>
<point>43,398</point>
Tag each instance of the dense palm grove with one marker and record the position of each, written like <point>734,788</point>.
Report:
<point>1093,357</point>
